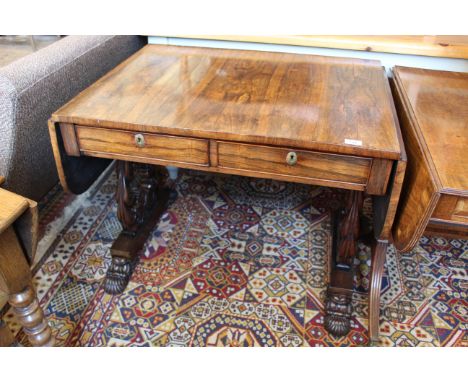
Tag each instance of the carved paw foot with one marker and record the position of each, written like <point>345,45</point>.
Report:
<point>337,319</point>
<point>118,275</point>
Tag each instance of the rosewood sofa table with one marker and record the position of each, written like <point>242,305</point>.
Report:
<point>310,119</point>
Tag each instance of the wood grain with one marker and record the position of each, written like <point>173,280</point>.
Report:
<point>446,228</point>
<point>213,153</point>
<point>14,270</point>
<point>176,150</point>
<point>433,110</point>
<point>69,139</point>
<point>12,207</point>
<point>378,177</point>
<point>76,174</point>
<point>452,207</point>
<point>6,336</point>
<point>311,167</point>
<point>57,151</point>
<point>461,209</point>
<point>445,207</point>
<point>420,192</point>
<point>385,207</point>
<point>27,229</point>
<point>439,102</point>
<point>338,105</point>
<point>437,46</point>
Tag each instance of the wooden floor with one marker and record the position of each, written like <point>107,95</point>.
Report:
<point>15,47</point>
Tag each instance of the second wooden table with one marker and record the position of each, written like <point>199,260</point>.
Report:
<point>309,119</point>
<point>433,106</point>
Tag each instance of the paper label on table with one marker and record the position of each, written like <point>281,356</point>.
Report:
<point>354,142</point>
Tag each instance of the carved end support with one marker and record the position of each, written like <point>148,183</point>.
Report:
<point>141,199</point>
<point>346,232</point>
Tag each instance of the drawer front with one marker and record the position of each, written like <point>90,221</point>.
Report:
<point>296,165</point>
<point>163,148</point>
<point>452,208</point>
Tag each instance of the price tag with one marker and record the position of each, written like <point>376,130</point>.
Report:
<point>354,142</point>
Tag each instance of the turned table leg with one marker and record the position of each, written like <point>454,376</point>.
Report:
<point>31,317</point>
<point>15,275</point>
<point>141,200</point>
<point>340,289</point>
<point>379,251</point>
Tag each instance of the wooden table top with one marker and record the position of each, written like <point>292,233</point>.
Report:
<point>439,101</point>
<point>329,104</point>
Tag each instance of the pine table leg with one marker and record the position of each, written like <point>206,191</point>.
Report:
<point>16,276</point>
<point>31,317</point>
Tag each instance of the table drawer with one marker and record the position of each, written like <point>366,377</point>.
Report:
<point>452,208</point>
<point>164,148</point>
<point>295,165</point>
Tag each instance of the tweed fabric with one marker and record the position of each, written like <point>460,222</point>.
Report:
<point>33,87</point>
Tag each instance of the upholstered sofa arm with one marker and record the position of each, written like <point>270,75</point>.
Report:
<point>33,87</point>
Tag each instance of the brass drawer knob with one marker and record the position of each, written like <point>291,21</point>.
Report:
<point>140,140</point>
<point>291,158</point>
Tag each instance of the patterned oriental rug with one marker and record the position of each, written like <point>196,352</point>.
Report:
<point>236,261</point>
